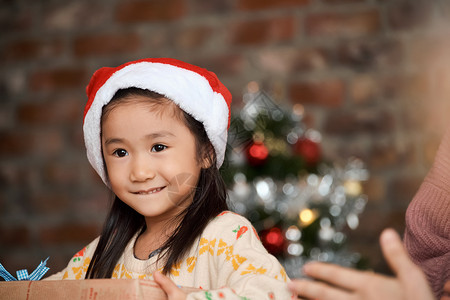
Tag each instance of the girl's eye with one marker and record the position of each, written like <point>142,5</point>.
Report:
<point>158,148</point>
<point>120,153</point>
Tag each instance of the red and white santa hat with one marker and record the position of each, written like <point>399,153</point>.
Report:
<point>195,90</point>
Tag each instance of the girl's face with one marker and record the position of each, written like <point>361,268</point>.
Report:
<point>150,157</point>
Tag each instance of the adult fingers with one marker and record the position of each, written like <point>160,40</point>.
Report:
<point>338,276</point>
<point>446,295</point>
<point>410,277</point>
<point>169,287</point>
<point>447,287</point>
<point>395,254</point>
<point>317,290</point>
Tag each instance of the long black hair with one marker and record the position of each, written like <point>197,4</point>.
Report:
<point>123,222</point>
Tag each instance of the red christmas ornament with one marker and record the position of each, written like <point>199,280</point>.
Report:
<point>273,240</point>
<point>309,150</point>
<point>257,154</point>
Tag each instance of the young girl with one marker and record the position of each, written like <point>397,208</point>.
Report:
<point>155,131</point>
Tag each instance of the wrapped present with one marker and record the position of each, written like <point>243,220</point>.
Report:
<point>99,289</point>
<point>37,274</point>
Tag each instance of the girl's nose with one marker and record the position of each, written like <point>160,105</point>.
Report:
<point>142,170</point>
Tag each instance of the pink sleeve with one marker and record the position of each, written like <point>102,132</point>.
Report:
<point>427,234</point>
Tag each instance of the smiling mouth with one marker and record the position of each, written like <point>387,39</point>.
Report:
<point>148,192</point>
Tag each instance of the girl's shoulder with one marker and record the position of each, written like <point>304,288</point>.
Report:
<point>230,225</point>
<point>78,264</point>
<point>228,217</point>
<point>88,250</point>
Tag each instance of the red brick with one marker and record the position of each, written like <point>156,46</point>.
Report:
<point>69,15</point>
<point>15,143</point>
<point>325,93</point>
<point>375,189</point>
<point>10,174</point>
<point>392,153</point>
<point>62,173</point>
<point>210,7</point>
<point>406,14</point>
<point>68,233</point>
<point>16,17</point>
<point>21,49</point>
<point>383,156</point>
<point>62,78</point>
<point>92,177</point>
<point>50,202</point>
<point>389,86</point>
<point>430,147</point>
<point>403,190</point>
<point>361,121</point>
<point>48,143</point>
<point>343,1</point>
<point>414,115</point>
<point>5,117</point>
<point>258,32</point>
<point>235,90</point>
<point>444,10</point>
<point>40,143</point>
<point>370,252</point>
<point>312,59</point>
<point>286,60</point>
<point>150,11</point>
<point>412,87</point>
<point>436,113</point>
<point>92,205</point>
<point>364,239</point>
<point>374,220</point>
<point>192,38</point>
<point>343,24</point>
<point>229,64</point>
<point>107,44</point>
<point>364,89</point>
<point>13,83</point>
<point>429,50</point>
<point>3,199</point>
<point>15,235</point>
<point>76,138</point>
<point>439,76</point>
<point>31,49</point>
<point>270,4</point>
<point>61,111</point>
<point>367,54</point>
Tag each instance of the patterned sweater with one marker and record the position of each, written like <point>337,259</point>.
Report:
<point>228,261</point>
<point>427,235</point>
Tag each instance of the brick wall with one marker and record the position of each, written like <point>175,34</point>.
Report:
<point>374,76</point>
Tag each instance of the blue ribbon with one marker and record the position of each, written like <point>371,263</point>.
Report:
<point>37,274</point>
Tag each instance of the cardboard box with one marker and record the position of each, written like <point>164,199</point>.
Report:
<point>98,289</point>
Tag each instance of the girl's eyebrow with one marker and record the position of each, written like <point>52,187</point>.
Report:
<point>159,134</point>
<point>148,136</point>
<point>113,141</point>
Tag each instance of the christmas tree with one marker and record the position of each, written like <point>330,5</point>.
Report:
<point>300,205</point>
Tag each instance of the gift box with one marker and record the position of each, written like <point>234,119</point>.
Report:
<point>89,289</point>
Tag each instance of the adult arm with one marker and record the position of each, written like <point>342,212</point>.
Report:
<point>427,233</point>
<point>337,282</point>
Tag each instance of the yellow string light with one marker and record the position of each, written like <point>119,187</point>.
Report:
<point>307,216</point>
<point>353,187</point>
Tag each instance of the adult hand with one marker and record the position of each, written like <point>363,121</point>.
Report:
<point>169,287</point>
<point>446,295</point>
<point>337,282</point>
